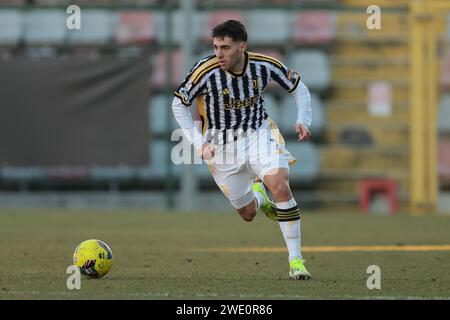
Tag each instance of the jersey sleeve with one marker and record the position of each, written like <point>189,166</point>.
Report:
<point>192,86</point>
<point>285,77</point>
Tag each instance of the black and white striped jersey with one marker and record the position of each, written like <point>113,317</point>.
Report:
<point>230,104</point>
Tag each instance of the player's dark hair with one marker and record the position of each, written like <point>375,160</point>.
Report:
<point>230,28</point>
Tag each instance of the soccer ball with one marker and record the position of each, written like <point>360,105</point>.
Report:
<point>93,258</point>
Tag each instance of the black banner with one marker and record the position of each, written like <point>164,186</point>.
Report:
<point>74,111</point>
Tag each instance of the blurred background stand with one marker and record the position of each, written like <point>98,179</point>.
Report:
<point>379,98</point>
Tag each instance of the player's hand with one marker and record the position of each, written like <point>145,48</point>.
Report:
<point>303,132</point>
<point>207,151</point>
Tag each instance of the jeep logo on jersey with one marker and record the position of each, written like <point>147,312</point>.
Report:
<point>237,103</point>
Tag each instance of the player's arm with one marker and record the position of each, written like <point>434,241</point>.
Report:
<point>185,94</point>
<point>303,102</point>
<point>182,114</point>
<point>194,83</point>
<point>290,81</point>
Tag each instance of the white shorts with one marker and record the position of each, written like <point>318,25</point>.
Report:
<point>236,165</point>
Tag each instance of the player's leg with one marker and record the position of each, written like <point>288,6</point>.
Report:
<point>235,182</point>
<point>272,166</point>
<point>261,202</point>
<point>243,198</point>
<point>277,181</point>
<point>248,212</point>
<point>288,212</point>
<point>265,204</point>
<point>246,199</point>
<point>235,178</point>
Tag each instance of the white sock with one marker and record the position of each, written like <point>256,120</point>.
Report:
<point>291,230</point>
<point>259,199</point>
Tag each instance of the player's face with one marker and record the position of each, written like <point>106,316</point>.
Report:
<point>229,52</point>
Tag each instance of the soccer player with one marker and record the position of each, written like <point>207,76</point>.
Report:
<point>240,143</point>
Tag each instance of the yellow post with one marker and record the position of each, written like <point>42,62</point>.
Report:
<point>431,112</point>
<point>424,185</point>
<point>417,182</point>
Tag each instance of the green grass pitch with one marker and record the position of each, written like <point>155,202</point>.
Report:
<point>183,256</point>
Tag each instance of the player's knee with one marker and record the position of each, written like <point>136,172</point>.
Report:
<point>281,192</point>
<point>247,217</point>
<point>247,214</point>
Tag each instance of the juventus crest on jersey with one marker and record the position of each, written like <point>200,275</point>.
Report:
<point>231,103</point>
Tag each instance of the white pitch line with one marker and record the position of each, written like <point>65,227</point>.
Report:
<point>316,249</point>
<point>215,295</point>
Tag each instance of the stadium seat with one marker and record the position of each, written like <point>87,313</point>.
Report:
<point>157,168</point>
<point>269,27</point>
<point>444,114</point>
<point>53,2</point>
<point>269,2</point>
<point>66,173</point>
<point>447,31</point>
<point>135,27</point>
<point>159,74</point>
<point>272,107</point>
<point>288,115</point>
<point>307,168</point>
<point>11,27</point>
<point>203,174</point>
<point>314,68</point>
<point>356,137</point>
<point>445,70</point>
<point>370,187</point>
<point>444,160</point>
<point>21,174</point>
<point>178,27</point>
<point>318,115</point>
<point>45,27</point>
<point>96,30</point>
<point>87,3</point>
<point>112,174</point>
<point>159,106</point>
<point>141,2</point>
<point>13,2</point>
<point>314,28</point>
<point>317,1</point>
<point>274,53</point>
<point>202,55</point>
<point>214,3</point>
<point>214,18</point>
